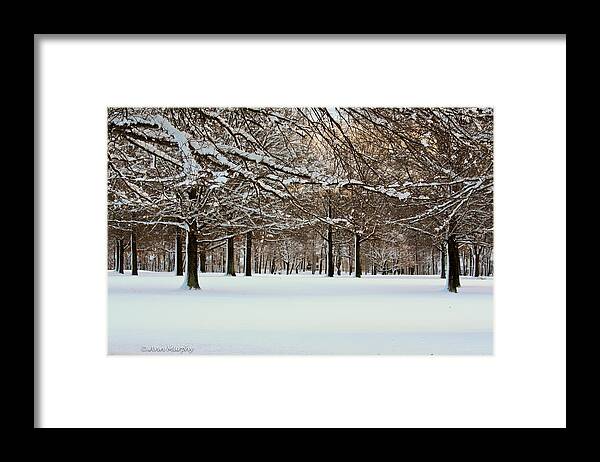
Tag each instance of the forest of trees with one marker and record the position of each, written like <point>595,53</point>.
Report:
<point>328,191</point>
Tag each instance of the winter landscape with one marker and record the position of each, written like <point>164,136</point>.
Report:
<point>323,231</point>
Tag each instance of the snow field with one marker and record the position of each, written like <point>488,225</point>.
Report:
<point>298,314</point>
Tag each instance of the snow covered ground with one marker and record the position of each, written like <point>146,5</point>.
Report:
<point>298,314</point>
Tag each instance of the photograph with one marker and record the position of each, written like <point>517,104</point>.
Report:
<point>300,231</point>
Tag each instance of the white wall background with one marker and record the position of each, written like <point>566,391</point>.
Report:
<point>523,384</point>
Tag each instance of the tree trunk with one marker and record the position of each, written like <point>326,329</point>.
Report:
<point>330,266</point>
<point>457,264</point>
<point>134,260</point>
<point>191,267</point>
<point>116,255</point>
<point>453,279</point>
<point>248,262</point>
<point>443,261</point>
<point>416,258</point>
<point>121,256</point>
<point>178,253</point>
<point>202,255</point>
<point>230,258</point>
<point>321,260</point>
<point>357,267</point>
<point>477,254</point>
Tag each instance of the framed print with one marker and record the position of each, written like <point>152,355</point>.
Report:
<point>327,231</point>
